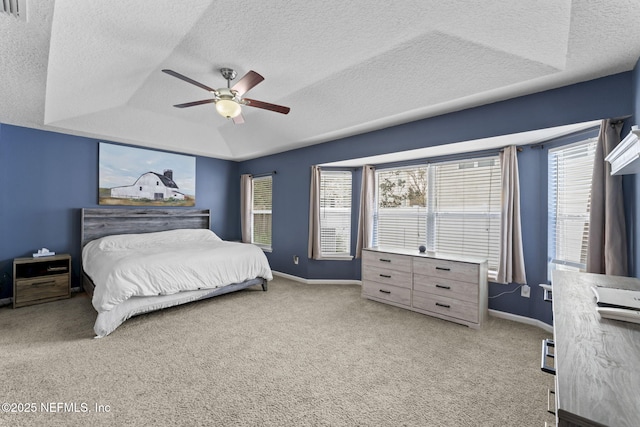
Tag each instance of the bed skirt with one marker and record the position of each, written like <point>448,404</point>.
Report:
<point>108,321</point>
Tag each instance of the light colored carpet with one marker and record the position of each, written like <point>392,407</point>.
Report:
<point>297,355</point>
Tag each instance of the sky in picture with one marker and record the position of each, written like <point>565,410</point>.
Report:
<point>120,166</point>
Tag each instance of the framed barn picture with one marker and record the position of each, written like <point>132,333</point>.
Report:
<point>140,177</point>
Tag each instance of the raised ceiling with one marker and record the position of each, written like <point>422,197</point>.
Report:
<point>93,68</point>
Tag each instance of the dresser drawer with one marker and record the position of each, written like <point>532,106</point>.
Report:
<point>390,277</point>
<point>460,271</point>
<point>463,310</point>
<point>41,288</point>
<point>464,291</point>
<point>385,292</point>
<point>386,261</point>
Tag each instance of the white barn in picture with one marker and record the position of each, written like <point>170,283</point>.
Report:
<point>152,186</point>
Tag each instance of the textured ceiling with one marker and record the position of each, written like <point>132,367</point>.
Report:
<point>93,67</point>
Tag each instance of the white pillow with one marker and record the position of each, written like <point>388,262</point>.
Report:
<point>143,240</point>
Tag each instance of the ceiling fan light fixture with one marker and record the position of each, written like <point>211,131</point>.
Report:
<point>228,108</point>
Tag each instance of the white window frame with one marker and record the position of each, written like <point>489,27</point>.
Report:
<point>336,220</point>
<point>430,214</point>
<point>267,247</point>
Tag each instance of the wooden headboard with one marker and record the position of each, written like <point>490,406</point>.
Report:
<point>100,222</point>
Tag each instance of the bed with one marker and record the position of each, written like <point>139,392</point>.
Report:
<point>139,260</point>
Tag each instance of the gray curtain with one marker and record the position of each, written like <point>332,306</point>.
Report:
<point>367,195</point>
<point>315,249</point>
<point>607,243</point>
<point>246,204</point>
<point>511,261</point>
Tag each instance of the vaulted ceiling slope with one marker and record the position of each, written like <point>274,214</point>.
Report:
<point>93,68</point>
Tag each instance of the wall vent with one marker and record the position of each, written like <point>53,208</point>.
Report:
<point>14,8</point>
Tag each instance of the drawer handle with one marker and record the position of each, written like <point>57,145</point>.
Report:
<point>443,286</point>
<point>386,276</point>
<point>443,305</point>
<point>443,268</point>
<point>546,353</point>
<point>384,292</point>
<point>47,283</point>
<point>385,260</point>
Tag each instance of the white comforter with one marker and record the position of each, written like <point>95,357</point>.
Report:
<point>165,263</point>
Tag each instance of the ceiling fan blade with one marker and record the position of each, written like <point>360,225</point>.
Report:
<point>247,82</point>
<point>194,103</point>
<point>188,80</point>
<point>238,120</point>
<point>266,106</point>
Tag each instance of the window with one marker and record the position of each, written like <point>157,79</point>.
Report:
<point>570,168</point>
<point>450,207</point>
<point>335,213</point>
<point>400,219</point>
<point>464,209</point>
<point>261,212</point>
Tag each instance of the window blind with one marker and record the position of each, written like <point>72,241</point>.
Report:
<point>335,213</point>
<point>450,207</point>
<point>261,211</point>
<point>465,205</point>
<point>569,175</point>
<point>400,218</point>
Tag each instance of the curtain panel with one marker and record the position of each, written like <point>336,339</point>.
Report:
<point>367,197</point>
<point>246,204</point>
<point>607,243</point>
<point>315,249</point>
<point>511,261</point>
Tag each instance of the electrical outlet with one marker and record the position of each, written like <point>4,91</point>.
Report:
<point>525,291</point>
<point>295,259</point>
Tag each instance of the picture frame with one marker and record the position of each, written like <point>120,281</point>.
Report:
<point>132,176</point>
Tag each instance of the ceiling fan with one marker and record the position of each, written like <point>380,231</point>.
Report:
<point>229,99</point>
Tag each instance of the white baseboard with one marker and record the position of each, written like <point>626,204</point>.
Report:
<point>521,319</point>
<point>317,281</point>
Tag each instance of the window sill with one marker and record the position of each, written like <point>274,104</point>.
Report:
<point>336,258</point>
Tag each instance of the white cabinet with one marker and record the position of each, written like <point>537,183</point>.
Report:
<point>448,287</point>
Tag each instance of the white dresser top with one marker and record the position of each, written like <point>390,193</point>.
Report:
<point>434,255</point>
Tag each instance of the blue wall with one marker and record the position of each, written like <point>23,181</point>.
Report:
<point>601,98</point>
<point>47,177</point>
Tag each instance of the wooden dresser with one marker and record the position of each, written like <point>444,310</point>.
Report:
<point>449,287</point>
<point>597,361</point>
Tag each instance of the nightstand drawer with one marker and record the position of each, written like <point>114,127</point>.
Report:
<point>448,306</point>
<point>386,292</point>
<point>40,288</point>
<point>465,291</point>
<point>387,276</point>
<point>460,271</point>
<point>386,260</point>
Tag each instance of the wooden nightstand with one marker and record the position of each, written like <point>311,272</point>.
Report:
<point>38,280</point>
